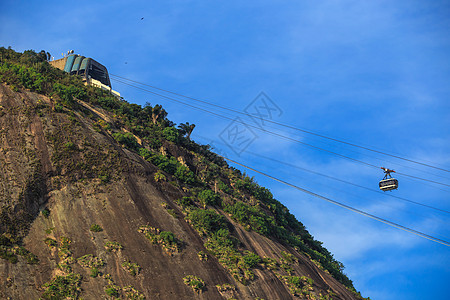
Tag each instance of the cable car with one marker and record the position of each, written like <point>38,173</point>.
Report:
<point>388,183</point>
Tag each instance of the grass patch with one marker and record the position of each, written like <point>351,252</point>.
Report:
<point>90,261</point>
<point>96,228</point>
<point>63,287</point>
<point>166,239</point>
<point>113,246</point>
<point>196,283</point>
<point>112,291</point>
<point>132,294</point>
<point>202,256</point>
<point>131,268</point>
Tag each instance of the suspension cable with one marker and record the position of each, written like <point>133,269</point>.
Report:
<point>285,125</point>
<point>338,179</point>
<point>387,222</point>
<point>274,133</point>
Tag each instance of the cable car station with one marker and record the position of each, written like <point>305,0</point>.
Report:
<point>91,71</point>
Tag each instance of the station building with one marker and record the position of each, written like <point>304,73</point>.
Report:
<point>91,71</point>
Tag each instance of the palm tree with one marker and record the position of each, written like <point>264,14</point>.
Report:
<point>186,129</point>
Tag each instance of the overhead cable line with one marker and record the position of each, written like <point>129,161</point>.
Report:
<point>387,222</point>
<point>274,133</point>
<point>341,180</point>
<point>286,125</point>
<point>250,125</point>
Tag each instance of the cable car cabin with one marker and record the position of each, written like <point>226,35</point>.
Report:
<point>388,184</point>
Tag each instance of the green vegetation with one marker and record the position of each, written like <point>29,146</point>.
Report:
<point>225,287</point>
<point>111,288</point>
<point>45,212</point>
<point>30,257</point>
<point>269,217</point>
<point>288,257</point>
<point>166,239</point>
<point>172,212</point>
<point>63,287</point>
<point>49,230</point>
<point>65,255</point>
<point>94,272</point>
<point>70,146</point>
<point>112,291</point>
<point>96,228</point>
<point>132,268</point>
<point>226,290</point>
<point>90,261</point>
<point>223,187</point>
<point>299,285</point>
<point>160,177</point>
<point>251,260</point>
<point>113,246</point>
<point>251,217</point>
<point>31,71</point>
<point>51,243</point>
<point>169,165</point>
<point>186,129</point>
<point>64,242</point>
<point>222,244</point>
<point>127,139</point>
<point>207,221</point>
<point>185,175</point>
<point>127,292</point>
<point>9,251</point>
<point>132,294</point>
<point>208,197</point>
<point>100,125</point>
<point>8,254</point>
<point>171,134</point>
<point>270,263</point>
<point>202,256</point>
<point>224,247</point>
<point>196,283</point>
<point>186,203</point>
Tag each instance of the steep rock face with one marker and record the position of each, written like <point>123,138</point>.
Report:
<point>59,175</point>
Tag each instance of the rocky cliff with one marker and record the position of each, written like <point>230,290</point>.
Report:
<point>97,206</point>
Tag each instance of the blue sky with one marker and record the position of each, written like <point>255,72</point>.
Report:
<point>375,73</point>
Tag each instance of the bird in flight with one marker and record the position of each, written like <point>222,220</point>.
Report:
<point>142,18</point>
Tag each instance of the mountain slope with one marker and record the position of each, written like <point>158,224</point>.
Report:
<point>101,198</point>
